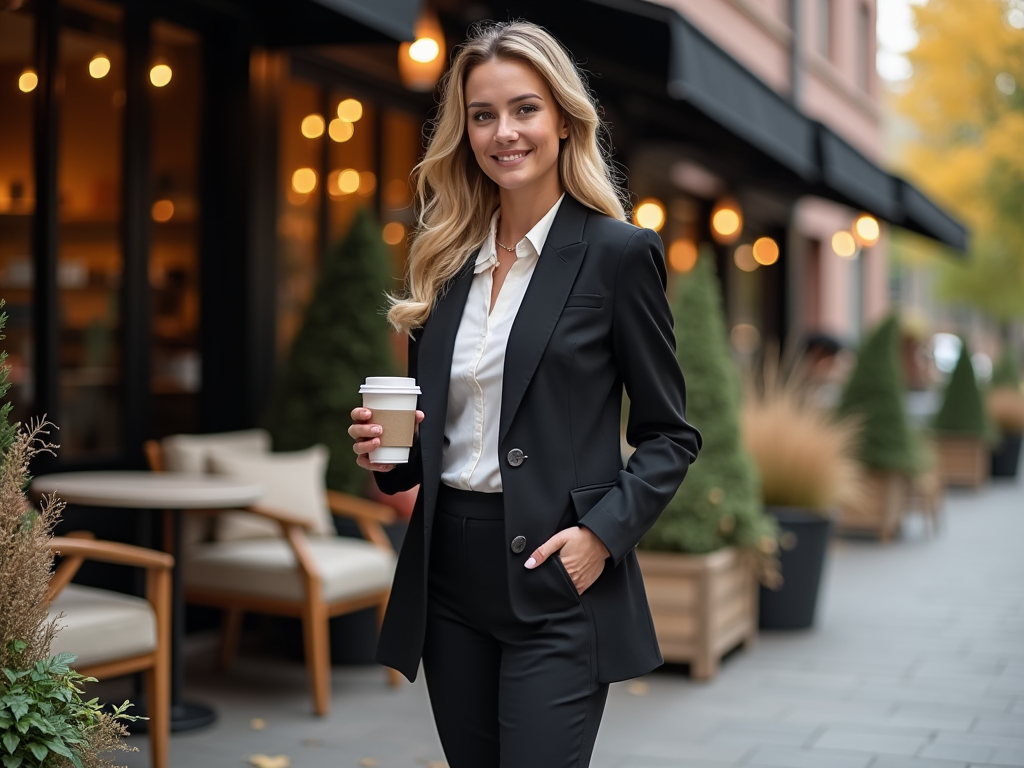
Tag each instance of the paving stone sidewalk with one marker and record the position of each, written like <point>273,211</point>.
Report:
<point>917,662</point>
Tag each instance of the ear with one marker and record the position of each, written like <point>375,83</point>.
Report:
<point>563,129</point>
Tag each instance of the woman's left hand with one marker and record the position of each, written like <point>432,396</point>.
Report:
<point>582,553</point>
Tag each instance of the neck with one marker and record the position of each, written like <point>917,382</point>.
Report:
<point>521,209</point>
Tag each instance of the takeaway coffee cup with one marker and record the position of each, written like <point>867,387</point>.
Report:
<point>392,399</point>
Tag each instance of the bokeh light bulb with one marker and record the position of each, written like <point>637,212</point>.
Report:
<point>99,66</point>
<point>843,244</point>
<point>650,214</point>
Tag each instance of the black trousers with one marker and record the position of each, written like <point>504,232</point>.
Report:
<point>505,694</point>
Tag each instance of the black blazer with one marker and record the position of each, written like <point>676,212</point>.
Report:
<point>594,319</point>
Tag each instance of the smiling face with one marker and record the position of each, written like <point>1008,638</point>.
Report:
<point>514,126</point>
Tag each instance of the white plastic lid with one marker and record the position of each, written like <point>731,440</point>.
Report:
<point>389,385</point>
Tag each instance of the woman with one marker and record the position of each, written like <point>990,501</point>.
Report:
<point>530,304</point>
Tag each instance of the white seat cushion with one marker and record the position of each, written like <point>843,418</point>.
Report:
<point>293,482</point>
<point>348,568</point>
<point>100,625</point>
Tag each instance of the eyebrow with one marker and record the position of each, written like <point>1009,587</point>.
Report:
<point>524,97</point>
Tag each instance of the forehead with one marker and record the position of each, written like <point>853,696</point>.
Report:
<point>497,80</point>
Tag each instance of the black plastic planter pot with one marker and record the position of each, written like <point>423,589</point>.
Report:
<point>1006,456</point>
<point>805,541</point>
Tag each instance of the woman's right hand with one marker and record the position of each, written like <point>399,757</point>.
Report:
<point>367,437</point>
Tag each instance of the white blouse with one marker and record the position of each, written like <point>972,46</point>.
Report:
<point>470,456</point>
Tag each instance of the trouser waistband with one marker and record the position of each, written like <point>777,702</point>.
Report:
<point>470,504</point>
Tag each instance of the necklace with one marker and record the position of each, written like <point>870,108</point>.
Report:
<point>501,244</point>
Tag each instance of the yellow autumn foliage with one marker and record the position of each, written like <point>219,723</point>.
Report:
<point>966,102</point>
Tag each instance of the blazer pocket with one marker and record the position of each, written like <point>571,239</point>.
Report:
<point>591,300</point>
<point>586,497</point>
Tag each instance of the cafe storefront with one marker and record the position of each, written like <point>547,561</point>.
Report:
<point>169,175</point>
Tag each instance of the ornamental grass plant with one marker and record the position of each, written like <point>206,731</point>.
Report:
<point>344,337</point>
<point>874,395</point>
<point>44,720</point>
<point>805,456</point>
<point>719,503</point>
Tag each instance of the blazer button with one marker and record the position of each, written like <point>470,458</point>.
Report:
<point>516,457</point>
<point>518,544</point>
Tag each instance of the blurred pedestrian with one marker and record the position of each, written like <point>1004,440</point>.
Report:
<point>530,302</point>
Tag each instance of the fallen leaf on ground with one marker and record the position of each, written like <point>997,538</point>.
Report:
<point>257,723</point>
<point>266,761</point>
<point>639,688</point>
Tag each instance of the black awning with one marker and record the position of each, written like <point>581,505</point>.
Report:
<point>703,74</point>
<point>863,184</point>
<point>333,22</point>
<point>923,216</point>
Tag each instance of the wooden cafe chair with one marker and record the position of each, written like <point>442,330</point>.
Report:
<point>113,634</point>
<point>297,567</point>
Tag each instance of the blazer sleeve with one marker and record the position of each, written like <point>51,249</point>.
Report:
<point>406,476</point>
<point>645,353</point>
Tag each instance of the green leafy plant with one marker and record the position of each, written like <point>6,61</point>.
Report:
<point>344,338</point>
<point>44,721</point>
<point>874,395</point>
<point>719,503</point>
<point>963,410</point>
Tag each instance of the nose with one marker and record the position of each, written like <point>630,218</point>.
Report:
<point>506,132</point>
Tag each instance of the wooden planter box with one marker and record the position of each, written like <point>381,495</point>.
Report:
<point>880,508</point>
<point>963,461</point>
<point>703,606</point>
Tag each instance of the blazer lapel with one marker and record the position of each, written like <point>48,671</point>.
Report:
<point>542,305</point>
<point>437,346</point>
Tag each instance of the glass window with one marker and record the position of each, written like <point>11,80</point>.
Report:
<point>402,135</point>
<point>90,260</point>
<point>824,28</point>
<point>351,161</point>
<point>174,254</point>
<point>302,130</point>
<point>17,203</point>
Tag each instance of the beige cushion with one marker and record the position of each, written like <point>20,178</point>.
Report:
<point>191,454</point>
<point>347,568</point>
<point>292,482</point>
<point>100,625</point>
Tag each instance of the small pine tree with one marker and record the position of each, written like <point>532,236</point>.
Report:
<point>874,394</point>
<point>963,410</point>
<point>1007,370</point>
<point>343,339</point>
<point>719,503</point>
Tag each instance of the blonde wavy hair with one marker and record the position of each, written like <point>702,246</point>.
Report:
<point>455,198</point>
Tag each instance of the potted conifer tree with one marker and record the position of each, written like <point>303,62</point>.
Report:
<point>962,429</point>
<point>888,450</point>
<point>343,338</point>
<point>44,720</point>
<point>806,460</point>
<point>1005,404</point>
<point>700,560</point>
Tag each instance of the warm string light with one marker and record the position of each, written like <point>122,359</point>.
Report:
<point>843,244</point>
<point>650,214</point>
<point>350,110</point>
<point>28,81</point>
<point>393,233</point>
<point>312,126</point>
<point>682,255</point>
<point>866,230</point>
<point>421,62</point>
<point>99,66</point>
<point>340,130</point>
<point>726,220</point>
<point>304,180</point>
<point>160,75</point>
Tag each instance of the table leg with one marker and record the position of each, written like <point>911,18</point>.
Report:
<point>185,716</point>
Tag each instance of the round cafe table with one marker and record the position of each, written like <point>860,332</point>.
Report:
<point>156,492</point>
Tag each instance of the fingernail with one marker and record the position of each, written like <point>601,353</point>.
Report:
<point>376,430</point>
<point>530,563</point>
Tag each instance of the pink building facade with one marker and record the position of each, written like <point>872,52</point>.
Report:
<point>820,55</point>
